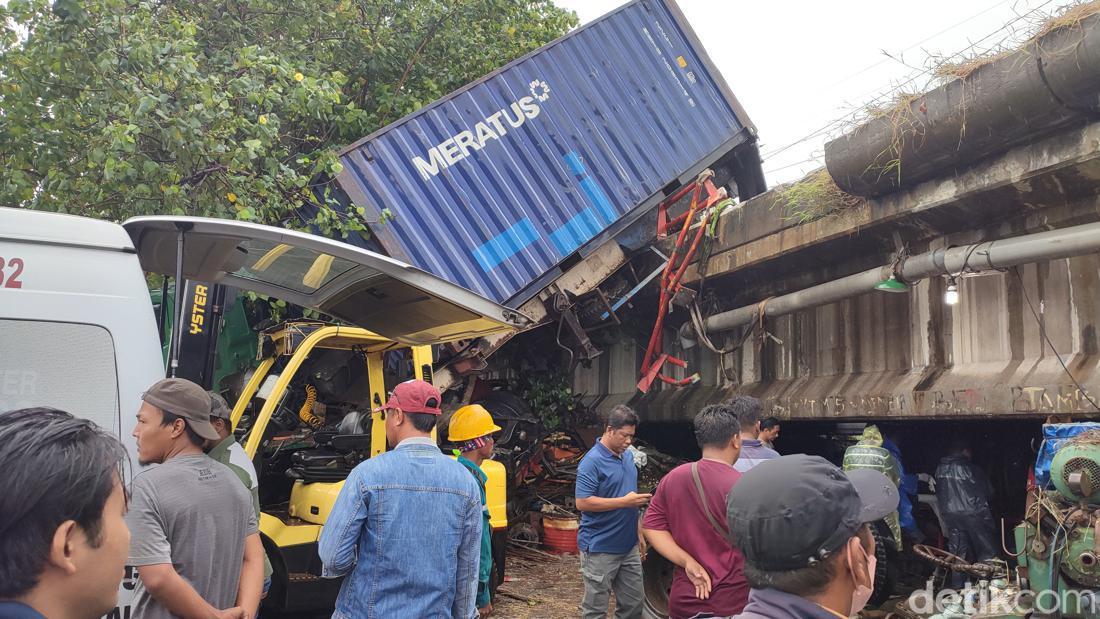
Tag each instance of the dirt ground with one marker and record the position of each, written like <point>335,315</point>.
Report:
<point>553,586</point>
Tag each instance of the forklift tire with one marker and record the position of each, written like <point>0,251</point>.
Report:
<point>275,599</point>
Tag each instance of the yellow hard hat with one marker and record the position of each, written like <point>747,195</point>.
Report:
<point>470,422</point>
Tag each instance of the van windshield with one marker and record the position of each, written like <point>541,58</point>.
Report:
<point>69,366</point>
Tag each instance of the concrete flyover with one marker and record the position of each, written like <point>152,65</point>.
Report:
<point>861,354</point>
<point>990,182</point>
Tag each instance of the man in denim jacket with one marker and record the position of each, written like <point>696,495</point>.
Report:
<point>406,528</point>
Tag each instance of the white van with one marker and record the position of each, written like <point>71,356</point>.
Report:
<point>78,331</point>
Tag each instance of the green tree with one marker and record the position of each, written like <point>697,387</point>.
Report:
<point>228,108</point>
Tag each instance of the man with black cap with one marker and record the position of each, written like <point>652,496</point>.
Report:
<point>801,524</point>
<point>406,529</point>
<point>194,536</point>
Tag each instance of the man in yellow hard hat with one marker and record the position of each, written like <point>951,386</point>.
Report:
<point>472,429</point>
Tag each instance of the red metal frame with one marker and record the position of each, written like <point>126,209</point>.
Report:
<point>663,225</point>
<point>654,359</point>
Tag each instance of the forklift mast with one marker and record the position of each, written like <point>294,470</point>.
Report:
<point>203,306</point>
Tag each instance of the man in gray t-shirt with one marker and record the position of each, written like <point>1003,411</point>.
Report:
<point>194,536</point>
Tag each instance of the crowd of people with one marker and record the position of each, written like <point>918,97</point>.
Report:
<point>187,525</point>
<point>409,532</point>
<point>751,534</point>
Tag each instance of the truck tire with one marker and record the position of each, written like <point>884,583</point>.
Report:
<point>656,583</point>
<point>886,571</point>
<point>500,552</point>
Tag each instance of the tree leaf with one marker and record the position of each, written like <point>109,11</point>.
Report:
<point>111,103</point>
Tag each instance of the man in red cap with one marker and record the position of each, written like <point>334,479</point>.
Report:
<point>405,531</point>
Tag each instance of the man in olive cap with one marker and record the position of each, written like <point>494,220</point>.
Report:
<point>802,525</point>
<point>230,453</point>
<point>194,536</point>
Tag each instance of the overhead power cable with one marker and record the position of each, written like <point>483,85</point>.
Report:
<point>926,39</point>
<point>1046,338</point>
<point>885,96</point>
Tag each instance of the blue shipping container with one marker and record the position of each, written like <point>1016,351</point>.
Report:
<point>495,185</point>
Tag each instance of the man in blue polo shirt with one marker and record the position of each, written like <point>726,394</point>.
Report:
<point>609,537</point>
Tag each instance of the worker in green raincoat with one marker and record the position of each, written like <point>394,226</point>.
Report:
<point>868,453</point>
<point>472,429</point>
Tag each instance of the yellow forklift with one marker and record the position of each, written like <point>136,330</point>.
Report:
<point>304,416</point>
<point>310,426</point>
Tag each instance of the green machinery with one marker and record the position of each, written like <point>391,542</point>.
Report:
<point>218,343</point>
<point>1058,540</point>
<point>1058,559</point>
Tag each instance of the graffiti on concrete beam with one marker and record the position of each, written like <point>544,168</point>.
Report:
<point>1063,399</point>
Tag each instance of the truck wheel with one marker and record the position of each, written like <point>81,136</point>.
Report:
<point>500,552</point>
<point>886,572</point>
<point>656,583</point>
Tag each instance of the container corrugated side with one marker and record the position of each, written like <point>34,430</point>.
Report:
<point>496,184</point>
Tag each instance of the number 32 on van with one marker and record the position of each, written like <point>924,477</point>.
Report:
<point>10,272</point>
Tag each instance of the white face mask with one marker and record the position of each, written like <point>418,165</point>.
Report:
<point>862,593</point>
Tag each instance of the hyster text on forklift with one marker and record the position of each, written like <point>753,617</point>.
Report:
<point>79,334</point>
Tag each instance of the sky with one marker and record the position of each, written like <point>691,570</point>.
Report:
<point>804,70</point>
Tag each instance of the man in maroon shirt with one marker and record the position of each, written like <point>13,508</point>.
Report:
<point>685,522</point>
